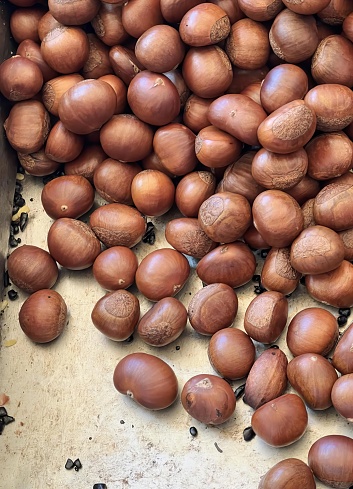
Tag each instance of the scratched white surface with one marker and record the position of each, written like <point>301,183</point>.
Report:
<point>66,406</point>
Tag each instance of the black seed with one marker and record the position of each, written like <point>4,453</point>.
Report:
<point>23,220</point>
<point>2,426</point>
<point>6,279</point>
<point>302,280</point>
<point>122,421</point>
<point>20,169</point>
<point>193,431</point>
<point>100,486</point>
<point>12,295</point>
<point>288,295</point>
<point>276,347</point>
<point>15,209</point>
<point>3,412</point>
<point>244,400</point>
<point>264,253</point>
<point>344,312</point>
<point>177,347</point>
<point>7,419</point>
<point>69,464</point>
<point>77,464</point>
<point>256,278</point>
<point>249,434</point>
<point>19,240</point>
<point>239,391</point>
<point>341,320</point>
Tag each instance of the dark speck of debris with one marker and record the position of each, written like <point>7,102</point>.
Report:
<point>12,294</point>
<point>122,421</point>
<point>256,278</point>
<point>90,438</point>
<point>69,464</point>
<point>249,434</point>
<point>217,447</point>
<point>177,347</point>
<point>193,431</point>
<point>100,486</point>
<point>31,199</point>
<point>77,464</point>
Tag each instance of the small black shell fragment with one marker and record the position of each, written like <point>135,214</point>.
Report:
<point>13,241</point>
<point>344,312</point>
<point>341,320</point>
<point>239,391</point>
<point>193,431</point>
<point>12,295</point>
<point>3,412</point>
<point>69,464</point>
<point>149,236</point>
<point>77,464</point>
<point>7,419</point>
<point>249,434</point>
<point>258,289</point>
<point>23,220</point>
<point>264,253</point>
<point>6,279</point>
